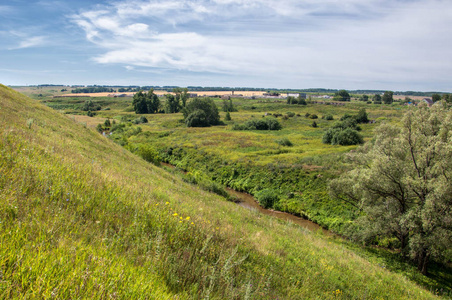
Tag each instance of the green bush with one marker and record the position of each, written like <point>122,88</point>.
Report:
<point>290,114</point>
<point>267,198</point>
<point>343,137</point>
<point>329,117</point>
<point>284,142</point>
<point>313,116</point>
<point>197,118</point>
<point>201,112</point>
<point>265,124</point>
<point>148,153</point>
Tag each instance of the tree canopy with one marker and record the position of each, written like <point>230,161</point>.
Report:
<point>402,184</point>
<point>342,95</point>
<point>201,112</point>
<point>388,97</point>
<point>146,103</point>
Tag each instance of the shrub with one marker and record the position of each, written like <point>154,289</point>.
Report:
<point>307,115</point>
<point>362,116</point>
<point>343,137</point>
<point>263,124</point>
<point>228,116</point>
<point>148,153</point>
<point>290,114</point>
<point>313,116</point>
<point>267,198</point>
<point>201,112</point>
<point>314,124</point>
<point>329,117</point>
<point>91,114</point>
<point>284,142</point>
<point>197,118</point>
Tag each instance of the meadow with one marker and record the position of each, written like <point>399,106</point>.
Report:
<point>81,217</point>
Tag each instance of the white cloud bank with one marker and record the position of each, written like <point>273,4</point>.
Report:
<point>312,43</point>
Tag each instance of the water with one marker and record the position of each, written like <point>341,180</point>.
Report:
<point>247,201</point>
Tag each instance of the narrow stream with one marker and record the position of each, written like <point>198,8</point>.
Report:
<point>247,201</point>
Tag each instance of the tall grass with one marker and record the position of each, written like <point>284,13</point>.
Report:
<point>82,217</point>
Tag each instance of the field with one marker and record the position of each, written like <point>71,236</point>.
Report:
<point>84,217</point>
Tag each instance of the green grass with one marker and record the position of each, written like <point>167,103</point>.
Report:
<point>81,217</point>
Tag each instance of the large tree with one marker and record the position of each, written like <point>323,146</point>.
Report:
<point>388,97</point>
<point>342,95</point>
<point>201,112</point>
<point>402,184</point>
<point>146,103</point>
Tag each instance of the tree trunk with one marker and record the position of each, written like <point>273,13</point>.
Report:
<point>423,262</point>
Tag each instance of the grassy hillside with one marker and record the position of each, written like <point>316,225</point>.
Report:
<point>81,217</point>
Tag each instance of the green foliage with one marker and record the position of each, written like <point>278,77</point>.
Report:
<point>329,117</point>
<point>263,124</point>
<point>141,120</point>
<point>228,106</point>
<point>313,116</point>
<point>345,137</point>
<point>173,104</point>
<point>314,124</point>
<point>388,97</point>
<point>362,116</point>
<point>148,153</point>
<point>364,98</point>
<point>342,95</point>
<point>290,114</point>
<point>284,142</point>
<point>228,116</point>
<point>267,198</point>
<point>201,112</point>
<point>146,103</point>
<point>376,99</point>
<point>91,114</point>
<point>402,183</point>
<point>436,97</point>
<point>89,105</point>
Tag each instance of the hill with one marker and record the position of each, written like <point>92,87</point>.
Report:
<point>82,217</point>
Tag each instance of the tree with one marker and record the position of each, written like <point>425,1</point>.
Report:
<point>342,95</point>
<point>362,116</point>
<point>436,97</point>
<point>172,104</point>
<point>146,103</point>
<point>387,97</point>
<point>301,100</point>
<point>201,112</point>
<point>364,98</point>
<point>402,184</point>
<point>152,102</point>
<point>377,99</point>
<point>182,95</point>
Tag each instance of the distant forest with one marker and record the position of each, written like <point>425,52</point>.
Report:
<point>136,88</point>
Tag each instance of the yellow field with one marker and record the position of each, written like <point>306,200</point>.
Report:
<point>200,93</point>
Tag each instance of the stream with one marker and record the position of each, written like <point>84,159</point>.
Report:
<point>247,201</point>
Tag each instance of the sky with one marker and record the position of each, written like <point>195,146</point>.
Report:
<point>400,45</point>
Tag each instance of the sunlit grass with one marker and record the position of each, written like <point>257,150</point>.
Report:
<point>81,217</point>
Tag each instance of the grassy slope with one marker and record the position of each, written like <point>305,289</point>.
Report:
<point>82,217</point>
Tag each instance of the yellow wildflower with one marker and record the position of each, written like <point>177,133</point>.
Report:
<point>175,214</point>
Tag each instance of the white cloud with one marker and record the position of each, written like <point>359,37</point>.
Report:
<point>344,42</point>
<point>27,41</point>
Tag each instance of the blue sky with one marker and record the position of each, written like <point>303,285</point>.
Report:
<point>352,44</point>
